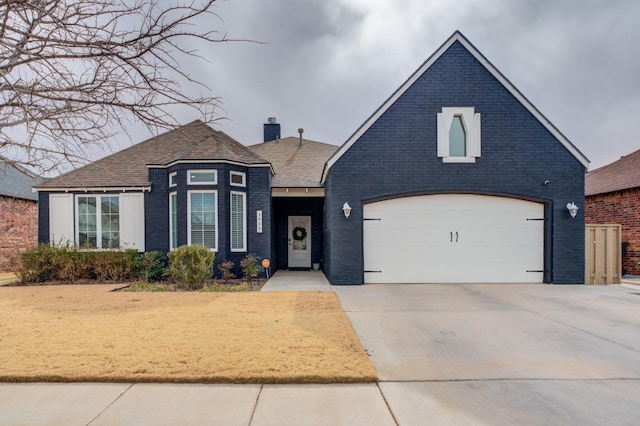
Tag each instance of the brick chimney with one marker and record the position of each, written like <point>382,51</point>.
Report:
<point>271,130</point>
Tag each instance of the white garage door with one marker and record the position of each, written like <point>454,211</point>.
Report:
<point>453,238</point>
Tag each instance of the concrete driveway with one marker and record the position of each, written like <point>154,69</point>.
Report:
<point>502,353</point>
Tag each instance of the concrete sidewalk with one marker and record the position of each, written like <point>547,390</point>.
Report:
<point>171,404</point>
<point>284,280</point>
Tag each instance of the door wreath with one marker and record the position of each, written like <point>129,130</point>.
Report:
<point>299,233</point>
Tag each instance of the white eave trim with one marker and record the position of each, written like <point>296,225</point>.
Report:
<point>235,163</point>
<point>457,36</point>
<point>95,189</point>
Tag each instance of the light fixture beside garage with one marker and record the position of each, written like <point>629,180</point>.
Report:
<point>573,209</point>
<point>346,208</point>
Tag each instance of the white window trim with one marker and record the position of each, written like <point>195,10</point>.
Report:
<point>471,123</point>
<point>172,174</point>
<point>215,213</point>
<point>171,194</point>
<point>244,178</point>
<point>200,171</point>
<point>76,210</point>
<point>244,221</point>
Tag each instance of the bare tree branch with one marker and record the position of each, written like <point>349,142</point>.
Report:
<point>74,73</point>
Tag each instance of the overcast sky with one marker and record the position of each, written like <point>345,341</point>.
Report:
<point>326,65</point>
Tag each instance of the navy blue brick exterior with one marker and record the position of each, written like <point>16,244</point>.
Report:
<point>43,217</point>
<point>258,198</point>
<point>397,156</point>
<point>156,207</point>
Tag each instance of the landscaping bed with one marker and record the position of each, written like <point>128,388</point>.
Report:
<point>91,333</point>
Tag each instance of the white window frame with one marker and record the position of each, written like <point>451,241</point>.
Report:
<point>202,171</point>
<point>172,175</point>
<point>209,191</point>
<point>98,221</point>
<point>242,174</point>
<point>244,221</point>
<point>171,242</point>
<point>471,123</point>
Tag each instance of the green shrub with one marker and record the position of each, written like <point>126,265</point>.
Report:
<point>34,265</point>
<point>70,264</point>
<point>107,265</point>
<point>151,266</point>
<point>191,266</point>
<point>65,262</point>
<point>225,268</point>
<point>250,267</point>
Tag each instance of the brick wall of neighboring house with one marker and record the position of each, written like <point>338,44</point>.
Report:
<point>619,208</point>
<point>18,228</point>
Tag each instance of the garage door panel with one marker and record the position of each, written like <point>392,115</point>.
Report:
<point>454,238</point>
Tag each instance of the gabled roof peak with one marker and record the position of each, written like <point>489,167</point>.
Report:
<point>457,36</point>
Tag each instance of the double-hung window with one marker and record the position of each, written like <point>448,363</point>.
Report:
<point>98,221</point>
<point>238,221</point>
<point>203,213</point>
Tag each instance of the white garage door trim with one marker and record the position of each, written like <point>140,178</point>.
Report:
<point>451,238</point>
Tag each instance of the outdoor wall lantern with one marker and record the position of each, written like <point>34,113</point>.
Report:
<point>346,208</point>
<point>573,209</point>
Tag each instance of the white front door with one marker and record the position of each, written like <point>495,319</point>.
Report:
<point>299,241</point>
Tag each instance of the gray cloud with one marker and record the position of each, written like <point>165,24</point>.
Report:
<point>327,65</point>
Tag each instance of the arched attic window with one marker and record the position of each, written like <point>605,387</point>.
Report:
<point>458,135</point>
<point>457,138</point>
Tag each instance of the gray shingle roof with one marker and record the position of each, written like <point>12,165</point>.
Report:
<point>295,165</point>
<point>195,142</point>
<point>16,182</point>
<point>621,174</point>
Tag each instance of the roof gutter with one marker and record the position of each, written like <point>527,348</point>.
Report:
<point>93,189</point>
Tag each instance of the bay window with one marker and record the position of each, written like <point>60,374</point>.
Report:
<point>203,215</point>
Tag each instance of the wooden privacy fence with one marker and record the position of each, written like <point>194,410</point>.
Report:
<point>603,254</point>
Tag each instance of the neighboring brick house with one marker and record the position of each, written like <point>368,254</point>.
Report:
<point>18,212</point>
<point>613,197</point>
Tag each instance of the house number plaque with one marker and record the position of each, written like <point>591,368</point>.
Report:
<point>259,221</point>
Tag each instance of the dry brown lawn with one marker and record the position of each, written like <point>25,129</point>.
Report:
<point>89,333</point>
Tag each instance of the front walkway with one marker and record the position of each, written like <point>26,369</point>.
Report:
<point>284,280</point>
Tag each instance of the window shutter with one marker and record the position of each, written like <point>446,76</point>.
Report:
<point>474,135</point>
<point>61,218</point>
<point>443,137</point>
<point>132,221</point>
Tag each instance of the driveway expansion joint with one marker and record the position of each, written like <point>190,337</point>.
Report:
<point>393,416</point>
<point>111,404</point>
<point>255,404</point>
